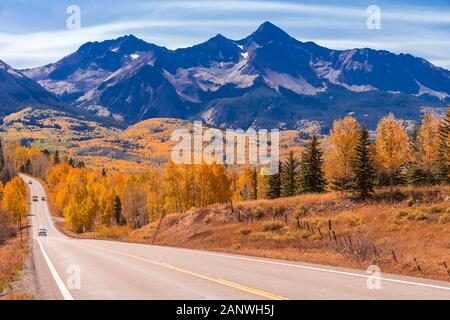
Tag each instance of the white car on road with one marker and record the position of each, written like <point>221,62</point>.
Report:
<point>42,232</point>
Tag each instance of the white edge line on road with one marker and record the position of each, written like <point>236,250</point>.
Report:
<point>324,270</point>
<point>62,288</point>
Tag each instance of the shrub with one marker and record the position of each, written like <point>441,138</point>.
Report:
<point>273,226</point>
<point>278,210</point>
<point>444,218</point>
<point>258,213</point>
<point>314,237</point>
<point>245,231</point>
<point>113,232</point>
<point>172,219</point>
<point>399,215</point>
<point>410,201</point>
<point>235,246</point>
<point>300,211</point>
<point>304,234</point>
<point>321,221</point>
<point>208,220</point>
<point>7,228</point>
<point>355,221</point>
<point>417,216</point>
<point>257,236</point>
<point>436,209</point>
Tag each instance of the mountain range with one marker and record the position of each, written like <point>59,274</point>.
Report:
<point>266,80</point>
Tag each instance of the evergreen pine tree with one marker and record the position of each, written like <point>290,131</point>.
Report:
<point>254,184</point>
<point>274,183</point>
<point>27,167</point>
<point>290,176</point>
<point>118,210</point>
<point>81,164</point>
<point>312,177</point>
<point>413,174</point>
<point>443,162</point>
<point>56,159</point>
<point>362,165</point>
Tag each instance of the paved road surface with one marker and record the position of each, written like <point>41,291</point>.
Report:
<point>116,270</point>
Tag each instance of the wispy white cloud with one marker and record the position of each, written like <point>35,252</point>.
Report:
<point>420,30</point>
<point>43,47</point>
<point>410,14</point>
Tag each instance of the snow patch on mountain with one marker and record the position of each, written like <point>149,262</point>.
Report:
<point>79,81</point>
<point>298,85</point>
<point>211,78</point>
<point>245,55</point>
<point>425,90</point>
<point>134,56</point>
<point>326,71</point>
<point>10,70</point>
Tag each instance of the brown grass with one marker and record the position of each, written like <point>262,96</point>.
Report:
<point>416,232</point>
<point>12,259</point>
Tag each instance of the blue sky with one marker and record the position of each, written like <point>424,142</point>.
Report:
<point>34,32</point>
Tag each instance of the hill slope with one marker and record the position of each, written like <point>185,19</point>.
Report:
<point>17,92</point>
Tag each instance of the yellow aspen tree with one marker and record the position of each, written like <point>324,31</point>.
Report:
<point>187,186</point>
<point>392,147</point>
<point>105,196</point>
<point>171,188</point>
<point>428,144</point>
<point>154,195</point>
<point>73,199</point>
<point>14,201</point>
<point>243,186</point>
<point>340,152</point>
<point>155,203</point>
<point>203,182</point>
<point>134,203</point>
<point>89,211</point>
<point>222,182</point>
<point>72,215</point>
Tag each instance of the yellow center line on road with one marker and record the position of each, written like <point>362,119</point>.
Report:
<point>223,282</point>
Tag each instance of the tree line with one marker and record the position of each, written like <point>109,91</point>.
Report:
<point>351,159</point>
<point>90,198</point>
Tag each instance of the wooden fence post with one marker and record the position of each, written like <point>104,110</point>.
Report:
<point>417,264</point>
<point>159,224</point>
<point>394,256</point>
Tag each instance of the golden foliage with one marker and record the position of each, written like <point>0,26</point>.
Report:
<point>428,142</point>
<point>14,199</point>
<point>341,150</point>
<point>86,198</point>
<point>391,145</point>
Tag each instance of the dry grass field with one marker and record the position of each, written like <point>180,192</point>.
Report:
<point>405,234</point>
